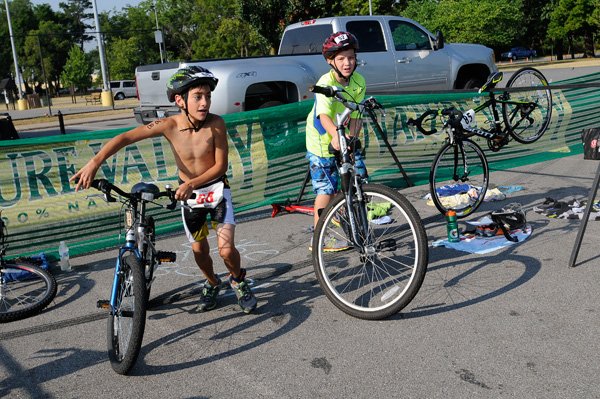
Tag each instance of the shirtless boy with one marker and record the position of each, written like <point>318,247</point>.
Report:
<point>199,143</point>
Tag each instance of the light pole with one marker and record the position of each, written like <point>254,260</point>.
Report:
<point>158,33</point>
<point>106,95</point>
<point>21,103</point>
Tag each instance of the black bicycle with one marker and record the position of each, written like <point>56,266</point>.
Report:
<point>25,288</point>
<point>134,271</point>
<point>385,264</point>
<point>460,164</point>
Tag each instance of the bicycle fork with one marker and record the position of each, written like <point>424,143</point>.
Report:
<point>111,305</point>
<point>460,158</point>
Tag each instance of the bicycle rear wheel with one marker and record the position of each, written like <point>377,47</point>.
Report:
<point>127,320</point>
<point>527,114</point>
<point>24,291</point>
<point>382,272</point>
<point>459,178</point>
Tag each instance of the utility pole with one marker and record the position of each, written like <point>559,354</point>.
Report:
<point>158,33</point>
<point>107,98</point>
<point>21,103</point>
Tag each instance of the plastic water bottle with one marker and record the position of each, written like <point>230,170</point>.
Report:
<point>63,252</point>
<point>452,226</point>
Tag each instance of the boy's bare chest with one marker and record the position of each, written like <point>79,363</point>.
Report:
<point>192,144</point>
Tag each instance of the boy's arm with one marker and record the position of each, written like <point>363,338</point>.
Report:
<point>331,129</point>
<point>353,129</point>
<point>86,174</point>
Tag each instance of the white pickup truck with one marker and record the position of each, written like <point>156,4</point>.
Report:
<point>396,55</point>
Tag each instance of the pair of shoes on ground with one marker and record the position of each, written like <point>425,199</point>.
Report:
<point>553,208</point>
<point>243,292</point>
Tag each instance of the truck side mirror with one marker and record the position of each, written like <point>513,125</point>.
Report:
<point>439,40</point>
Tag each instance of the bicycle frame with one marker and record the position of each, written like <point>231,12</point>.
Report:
<point>350,180</point>
<point>500,128</point>
<point>136,240</point>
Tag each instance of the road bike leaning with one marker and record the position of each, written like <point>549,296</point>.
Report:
<point>526,112</point>
<point>134,271</point>
<point>25,288</point>
<point>386,263</point>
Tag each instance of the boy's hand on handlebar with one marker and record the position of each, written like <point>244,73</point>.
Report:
<point>335,142</point>
<point>184,192</point>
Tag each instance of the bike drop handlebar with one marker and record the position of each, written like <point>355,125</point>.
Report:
<point>106,187</point>
<point>454,118</point>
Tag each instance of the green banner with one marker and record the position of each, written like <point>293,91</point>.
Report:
<point>266,164</point>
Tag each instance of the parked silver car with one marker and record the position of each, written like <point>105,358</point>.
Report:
<point>123,88</point>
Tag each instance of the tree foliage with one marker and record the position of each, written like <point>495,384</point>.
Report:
<point>488,22</point>
<point>575,18</point>
<point>204,29</point>
<point>78,69</point>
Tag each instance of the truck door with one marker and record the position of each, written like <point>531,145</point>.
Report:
<point>418,65</point>
<point>374,62</point>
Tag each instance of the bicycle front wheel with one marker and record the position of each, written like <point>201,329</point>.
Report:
<point>381,272</point>
<point>127,319</point>
<point>24,291</point>
<point>527,113</point>
<point>459,178</point>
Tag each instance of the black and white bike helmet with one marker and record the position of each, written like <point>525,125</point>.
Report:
<point>510,217</point>
<point>186,78</point>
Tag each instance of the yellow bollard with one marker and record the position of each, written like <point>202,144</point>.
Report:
<point>107,98</point>
<point>22,104</point>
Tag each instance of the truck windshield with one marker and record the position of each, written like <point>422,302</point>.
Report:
<point>304,40</point>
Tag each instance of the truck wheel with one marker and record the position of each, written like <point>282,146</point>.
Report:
<point>473,83</point>
<point>120,96</point>
<point>270,104</point>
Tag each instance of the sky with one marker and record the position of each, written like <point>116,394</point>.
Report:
<point>102,5</point>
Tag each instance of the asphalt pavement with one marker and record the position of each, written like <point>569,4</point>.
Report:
<point>517,322</point>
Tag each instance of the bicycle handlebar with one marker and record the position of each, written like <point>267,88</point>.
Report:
<point>327,91</point>
<point>454,118</point>
<point>332,91</point>
<point>106,187</point>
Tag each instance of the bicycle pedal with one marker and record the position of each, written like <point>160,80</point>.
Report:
<point>165,256</point>
<point>103,304</point>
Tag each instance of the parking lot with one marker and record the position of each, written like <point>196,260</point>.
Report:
<point>516,322</point>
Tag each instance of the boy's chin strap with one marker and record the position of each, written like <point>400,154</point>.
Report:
<point>345,79</point>
<point>187,115</point>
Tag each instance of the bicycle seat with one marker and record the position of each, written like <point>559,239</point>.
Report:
<point>142,187</point>
<point>492,81</point>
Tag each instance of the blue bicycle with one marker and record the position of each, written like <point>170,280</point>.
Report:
<point>134,271</point>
